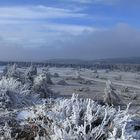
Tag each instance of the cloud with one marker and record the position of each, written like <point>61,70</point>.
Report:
<point>31,26</point>
<point>106,2</point>
<point>39,32</point>
<point>119,41</point>
<point>36,12</point>
<point>20,23</point>
<point>72,29</point>
<point>36,35</point>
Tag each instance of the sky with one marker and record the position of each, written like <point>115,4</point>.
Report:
<point>37,30</point>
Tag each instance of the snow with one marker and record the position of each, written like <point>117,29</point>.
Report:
<point>63,118</point>
<point>68,122</point>
<point>25,114</point>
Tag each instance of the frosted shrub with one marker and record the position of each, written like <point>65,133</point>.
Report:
<point>9,84</point>
<point>82,119</point>
<point>68,119</point>
<point>81,80</point>
<point>56,75</point>
<point>13,85</point>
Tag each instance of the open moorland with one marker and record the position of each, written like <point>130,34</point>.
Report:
<point>57,103</point>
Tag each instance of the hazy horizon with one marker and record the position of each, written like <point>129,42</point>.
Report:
<point>37,30</point>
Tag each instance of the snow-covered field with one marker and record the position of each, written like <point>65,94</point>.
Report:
<point>126,84</point>
<point>68,104</point>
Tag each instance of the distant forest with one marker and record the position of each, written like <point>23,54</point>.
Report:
<point>122,64</point>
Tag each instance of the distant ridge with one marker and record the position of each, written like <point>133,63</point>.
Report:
<point>128,60</point>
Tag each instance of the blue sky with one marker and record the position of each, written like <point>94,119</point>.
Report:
<point>83,29</point>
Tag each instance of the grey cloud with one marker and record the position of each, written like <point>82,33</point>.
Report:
<point>120,41</point>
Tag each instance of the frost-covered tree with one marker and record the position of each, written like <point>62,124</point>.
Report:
<point>29,75</point>
<point>5,70</point>
<point>46,69</point>
<point>40,86</point>
<point>48,78</point>
<point>111,98</point>
<point>31,71</point>
<point>78,75</point>
<point>47,75</point>
<point>11,71</point>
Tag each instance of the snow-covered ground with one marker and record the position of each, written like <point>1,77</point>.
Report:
<point>38,103</point>
<point>95,90</point>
